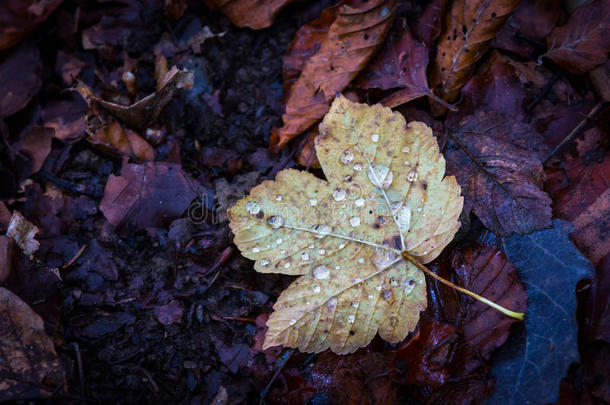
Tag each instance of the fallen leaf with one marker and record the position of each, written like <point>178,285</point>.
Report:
<point>468,28</point>
<point>233,357</point>
<point>29,361</point>
<point>19,17</point>
<point>32,150</point>
<point>245,13</point>
<point>271,353</point>
<point>118,141</point>
<point>355,379</point>
<point>428,26</point>
<point>402,63</point>
<point>6,257</point>
<point>530,366</point>
<point>146,111</point>
<point>585,201</point>
<point>496,88</point>
<point>169,313</point>
<point>497,162</point>
<point>486,271</point>
<point>307,155</point>
<point>67,116</point>
<point>20,78</point>
<point>295,389</point>
<point>534,19</point>
<point>353,37</point>
<point>147,195</point>
<point>344,236</point>
<point>584,42</point>
<point>23,232</point>
<point>423,359</point>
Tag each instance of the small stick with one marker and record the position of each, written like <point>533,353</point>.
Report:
<point>516,315</point>
<point>545,90</point>
<point>79,363</point>
<point>285,357</point>
<point>575,131</point>
<point>75,258</point>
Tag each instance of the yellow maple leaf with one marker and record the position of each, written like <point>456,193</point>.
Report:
<point>348,238</point>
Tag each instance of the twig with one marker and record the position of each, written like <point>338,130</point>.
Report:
<point>516,315</point>
<point>75,258</point>
<point>545,90</point>
<point>79,363</point>
<point>149,378</point>
<point>575,131</point>
<point>285,357</point>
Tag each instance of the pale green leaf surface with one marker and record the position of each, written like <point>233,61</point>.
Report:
<point>385,193</point>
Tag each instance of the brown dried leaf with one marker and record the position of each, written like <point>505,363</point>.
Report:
<point>468,27</point>
<point>497,162</point>
<point>20,78</point>
<point>6,257</point>
<point>428,26</point>
<point>19,17</point>
<point>147,195</point>
<point>119,141</point>
<point>352,39</point>
<point>23,232</point>
<point>584,42</point>
<point>385,193</point>
<point>147,110</point>
<point>29,360</point>
<point>246,13</point>
<point>402,63</point>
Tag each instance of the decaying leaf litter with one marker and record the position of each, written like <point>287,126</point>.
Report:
<point>133,270</point>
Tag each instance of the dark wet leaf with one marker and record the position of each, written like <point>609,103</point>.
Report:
<point>32,150</point>
<point>233,357</point>
<point>169,313</point>
<point>19,17</point>
<point>20,78</point>
<point>531,364</point>
<point>6,257</point>
<point>244,13</point>
<point>424,358</point>
<point>294,389</point>
<point>497,162</point>
<point>401,63</point>
<point>29,361</point>
<point>584,200</point>
<point>428,26</point>
<point>584,42</point>
<point>355,379</point>
<point>105,325</point>
<point>534,19</point>
<point>147,195</point>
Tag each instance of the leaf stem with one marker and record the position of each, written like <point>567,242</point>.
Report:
<point>516,315</point>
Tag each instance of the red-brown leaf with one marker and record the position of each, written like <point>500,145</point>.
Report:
<point>497,162</point>
<point>428,26</point>
<point>246,13</point>
<point>468,28</point>
<point>352,39</point>
<point>19,17</point>
<point>402,63</point>
<point>584,42</point>
<point>147,195</point>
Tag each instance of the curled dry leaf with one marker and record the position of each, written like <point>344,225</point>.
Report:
<point>584,42</point>
<point>246,13</point>
<point>147,110</point>
<point>19,17</point>
<point>402,64</point>
<point>23,232</point>
<point>28,357</point>
<point>468,27</point>
<point>385,194</point>
<point>122,141</point>
<point>497,162</point>
<point>353,37</point>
